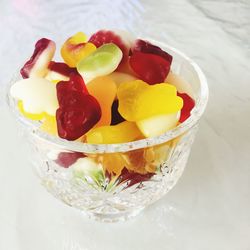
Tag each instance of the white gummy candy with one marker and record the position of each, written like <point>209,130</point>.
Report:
<point>37,94</point>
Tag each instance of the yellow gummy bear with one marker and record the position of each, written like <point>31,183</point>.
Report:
<point>76,48</point>
<point>49,125</point>
<point>31,116</point>
<point>122,132</point>
<point>139,100</point>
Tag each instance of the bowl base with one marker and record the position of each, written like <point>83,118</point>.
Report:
<point>123,216</point>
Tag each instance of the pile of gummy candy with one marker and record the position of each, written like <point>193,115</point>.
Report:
<point>109,89</point>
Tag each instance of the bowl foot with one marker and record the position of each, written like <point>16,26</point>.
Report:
<point>114,217</point>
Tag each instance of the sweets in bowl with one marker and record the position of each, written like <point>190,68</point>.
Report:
<point>108,122</point>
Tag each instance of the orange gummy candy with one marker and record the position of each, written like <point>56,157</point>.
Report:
<point>104,90</point>
<point>114,163</point>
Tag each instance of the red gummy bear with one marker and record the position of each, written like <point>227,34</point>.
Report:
<point>61,68</point>
<point>78,111</point>
<point>106,36</point>
<point>188,105</point>
<point>66,159</point>
<point>149,67</point>
<point>76,120</point>
<point>71,92</point>
<point>149,48</point>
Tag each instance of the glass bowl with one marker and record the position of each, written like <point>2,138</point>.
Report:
<point>113,182</point>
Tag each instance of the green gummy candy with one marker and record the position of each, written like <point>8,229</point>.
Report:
<point>101,62</point>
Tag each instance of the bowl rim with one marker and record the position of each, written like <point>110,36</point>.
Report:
<point>77,146</point>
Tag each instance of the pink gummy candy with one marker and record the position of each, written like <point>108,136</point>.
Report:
<point>44,47</point>
<point>66,159</point>
<point>106,36</point>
